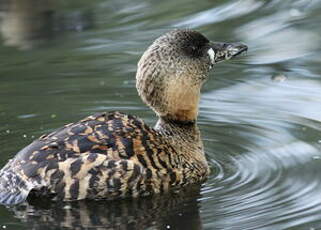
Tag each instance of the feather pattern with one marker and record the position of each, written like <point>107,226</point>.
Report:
<point>108,155</point>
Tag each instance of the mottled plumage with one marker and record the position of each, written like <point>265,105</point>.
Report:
<point>113,155</point>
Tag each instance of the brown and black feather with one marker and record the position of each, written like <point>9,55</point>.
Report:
<point>104,156</point>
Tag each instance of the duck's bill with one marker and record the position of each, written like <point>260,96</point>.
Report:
<point>224,51</point>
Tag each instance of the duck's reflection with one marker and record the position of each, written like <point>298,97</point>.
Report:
<point>28,23</point>
<point>174,211</point>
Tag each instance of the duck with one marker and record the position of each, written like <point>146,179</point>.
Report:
<point>112,155</point>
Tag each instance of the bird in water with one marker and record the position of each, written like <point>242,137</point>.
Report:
<point>114,155</point>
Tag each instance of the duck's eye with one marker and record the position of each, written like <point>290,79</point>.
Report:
<point>211,54</point>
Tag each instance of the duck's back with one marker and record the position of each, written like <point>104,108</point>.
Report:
<point>108,155</point>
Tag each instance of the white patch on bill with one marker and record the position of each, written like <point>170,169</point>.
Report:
<point>211,53</point>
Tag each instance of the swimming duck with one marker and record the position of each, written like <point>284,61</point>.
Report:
<point>113,155</point>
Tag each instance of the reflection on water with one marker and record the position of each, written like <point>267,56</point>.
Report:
<point>221,13</point>
<point>270,36</point>
<point>260,115</point>
<point>170,212</point>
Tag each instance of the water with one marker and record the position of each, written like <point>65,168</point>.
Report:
<point>260,115</point>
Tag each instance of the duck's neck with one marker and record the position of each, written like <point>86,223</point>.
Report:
<point>185,138</point>
<point>181,132</point>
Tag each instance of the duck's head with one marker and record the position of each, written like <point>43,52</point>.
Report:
<point>172,70</point>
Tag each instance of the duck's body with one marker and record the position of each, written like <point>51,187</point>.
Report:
<point>107,155</point>
<point>113,155</point>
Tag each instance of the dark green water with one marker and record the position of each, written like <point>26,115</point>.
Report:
<point>260,115</point>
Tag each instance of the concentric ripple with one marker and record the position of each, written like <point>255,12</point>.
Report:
<point>275,178</point>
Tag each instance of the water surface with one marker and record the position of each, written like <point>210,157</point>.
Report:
<point>260,115</point>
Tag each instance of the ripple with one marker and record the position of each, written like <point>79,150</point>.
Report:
<point>285,101</point>
<point>269,36</point>
<point>220,13</point>
<point>271,180</point>
<point>268,187</point>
